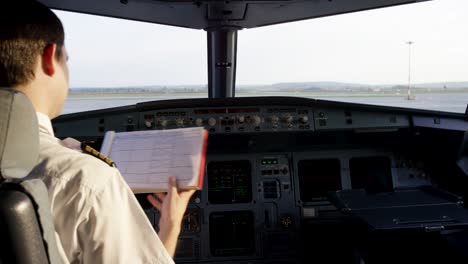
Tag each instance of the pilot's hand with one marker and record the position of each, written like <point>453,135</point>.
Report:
<point>172,207</point>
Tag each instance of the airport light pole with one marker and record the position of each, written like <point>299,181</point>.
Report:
<point>409,70</point>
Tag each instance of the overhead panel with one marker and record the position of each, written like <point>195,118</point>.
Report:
<point>220,11</point>
<point>175,13</point>
<point>205,14</point>
<point>275,12</point>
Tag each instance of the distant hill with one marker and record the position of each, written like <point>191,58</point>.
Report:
<point>304,86</point>
<point>277,87</point>
<point>447,85</point>
<point>338,86</point>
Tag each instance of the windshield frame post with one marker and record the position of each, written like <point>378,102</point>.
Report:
<point>222,61</point>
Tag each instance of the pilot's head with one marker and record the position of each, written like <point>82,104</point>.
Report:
<point>33,58</point>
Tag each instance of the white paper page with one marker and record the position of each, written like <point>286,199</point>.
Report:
<point>107,144</point>
<point>147,158</point>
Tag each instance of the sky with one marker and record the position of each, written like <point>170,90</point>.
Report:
<point>365,47</point>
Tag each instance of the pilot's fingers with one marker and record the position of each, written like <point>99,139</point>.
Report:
<point>161,196</point>
<point>186,194</point>
<point>172,188</point>
<point>153,201</point>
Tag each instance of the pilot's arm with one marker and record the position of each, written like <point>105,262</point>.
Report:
<point>172,208</point>
<point>116,229</point>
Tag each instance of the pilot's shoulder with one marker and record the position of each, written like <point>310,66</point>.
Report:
<point>71,166</point>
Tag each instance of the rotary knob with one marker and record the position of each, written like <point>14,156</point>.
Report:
<point>163,122</point>
<point>149,123</point>
<point>304,119</point>
<point>199,122</point>
<point>179,122</point>
<point>240,119</point>
<point>274,119</point>
<point>256,120</point>
<point>288,119</point>
<point>212,121</point>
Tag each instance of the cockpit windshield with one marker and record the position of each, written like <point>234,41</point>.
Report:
<point>413,56</point>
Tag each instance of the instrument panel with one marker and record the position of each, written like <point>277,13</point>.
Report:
<point>270,169</point>
<point>268,119</point>
<point>243,115</point>
<point>254,206</point>
<point>232,119</point>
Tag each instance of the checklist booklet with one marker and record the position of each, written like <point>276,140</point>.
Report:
<point>146,159</point>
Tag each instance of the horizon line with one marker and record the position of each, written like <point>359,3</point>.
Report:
<point>277,83</point>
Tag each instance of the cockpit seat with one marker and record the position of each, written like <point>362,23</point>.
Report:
<point>27,232</point>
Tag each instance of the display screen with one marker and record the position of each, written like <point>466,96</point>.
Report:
<point>229,182</point>
<point>187,248</point>
<point>374,174</point>
<point>232,233</point>
<point>318,177</point>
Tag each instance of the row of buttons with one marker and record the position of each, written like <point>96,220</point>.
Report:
<point>274,172</point>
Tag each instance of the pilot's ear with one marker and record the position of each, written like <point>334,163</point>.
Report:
<point>48,59</point>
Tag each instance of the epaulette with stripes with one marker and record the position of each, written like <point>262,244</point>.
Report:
<point>89,150</point>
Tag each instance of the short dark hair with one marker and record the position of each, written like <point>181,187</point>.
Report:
<point>27,27</point>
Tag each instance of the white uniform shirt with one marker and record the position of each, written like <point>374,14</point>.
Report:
<point>96,216</point>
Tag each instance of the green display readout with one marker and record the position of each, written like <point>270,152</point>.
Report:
<point>269,161</point>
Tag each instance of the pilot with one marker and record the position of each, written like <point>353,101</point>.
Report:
<point>96,216</point>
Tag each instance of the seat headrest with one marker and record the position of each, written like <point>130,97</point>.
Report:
<point>19,135</point>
